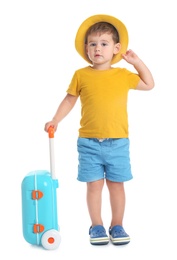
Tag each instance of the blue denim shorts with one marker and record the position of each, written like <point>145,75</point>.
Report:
<point>99,159</point>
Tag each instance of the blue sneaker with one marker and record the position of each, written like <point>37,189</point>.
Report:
<point>118,236</point>
<point>98,235</point>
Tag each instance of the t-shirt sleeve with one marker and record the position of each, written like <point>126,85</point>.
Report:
<point>133,79</point>
<point>73,88</point>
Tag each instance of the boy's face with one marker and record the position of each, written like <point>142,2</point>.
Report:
<point>100,48</point>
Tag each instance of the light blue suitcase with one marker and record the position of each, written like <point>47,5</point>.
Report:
<point>39,205</point>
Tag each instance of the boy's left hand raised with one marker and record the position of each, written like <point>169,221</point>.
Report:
<point>130,57</point>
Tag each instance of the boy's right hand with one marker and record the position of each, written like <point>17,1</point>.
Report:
<point>52,123</point>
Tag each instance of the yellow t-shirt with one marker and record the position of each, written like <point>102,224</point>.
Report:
<point>103,95</point>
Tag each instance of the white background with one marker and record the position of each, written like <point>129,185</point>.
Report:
<point>37,61</point>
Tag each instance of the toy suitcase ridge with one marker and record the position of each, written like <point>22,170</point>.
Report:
<point>39,205</point>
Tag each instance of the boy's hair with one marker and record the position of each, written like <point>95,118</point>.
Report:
<point>103,27</point>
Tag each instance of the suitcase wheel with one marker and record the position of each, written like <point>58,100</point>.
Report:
<point>51,239</point>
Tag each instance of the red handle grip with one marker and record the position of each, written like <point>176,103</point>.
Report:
<point>51,132</point>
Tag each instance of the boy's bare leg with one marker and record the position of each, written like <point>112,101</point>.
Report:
<point>117,201</point>
<point>94,201</point>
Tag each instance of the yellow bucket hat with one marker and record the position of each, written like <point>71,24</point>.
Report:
<point>122,31</point>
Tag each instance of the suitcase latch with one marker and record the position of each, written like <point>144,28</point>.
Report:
<point>38,228</point>
<point>37,194</point>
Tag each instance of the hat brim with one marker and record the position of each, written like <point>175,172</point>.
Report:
<point>80,36</point>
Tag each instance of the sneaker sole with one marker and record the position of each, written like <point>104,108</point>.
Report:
<point>120,240</point>
<point>99,241</point>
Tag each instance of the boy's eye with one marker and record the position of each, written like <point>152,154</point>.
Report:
<point>93,44</point>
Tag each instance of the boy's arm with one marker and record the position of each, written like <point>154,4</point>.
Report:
<point>146,79</point>
<point>64,108</point>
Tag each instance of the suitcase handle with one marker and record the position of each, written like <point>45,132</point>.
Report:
<point>51,151</point>
<point>51,132</point>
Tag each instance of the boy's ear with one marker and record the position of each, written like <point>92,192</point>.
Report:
<point>117,48</point>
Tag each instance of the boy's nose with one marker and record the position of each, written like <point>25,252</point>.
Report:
<point>97,48</point>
